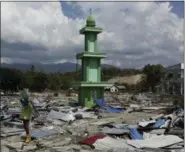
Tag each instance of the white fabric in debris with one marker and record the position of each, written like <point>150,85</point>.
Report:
<point>153,108</point>
<point>60,116</point>
<point>134,106</point>
<point>108,143</point>
<point>146,123</point>
<point>155,141</point>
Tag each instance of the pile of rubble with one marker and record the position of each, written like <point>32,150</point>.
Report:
<point>60,125</point>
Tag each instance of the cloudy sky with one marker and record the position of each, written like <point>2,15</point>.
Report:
<point>135,33</point>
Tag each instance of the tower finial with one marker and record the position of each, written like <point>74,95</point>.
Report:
<point>90,11</point>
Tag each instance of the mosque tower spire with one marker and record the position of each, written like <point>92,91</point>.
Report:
<point>91,87</point>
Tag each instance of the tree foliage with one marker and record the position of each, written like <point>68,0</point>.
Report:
<point>153,75</point>
<point>11,79</point>
<point>36,80</point>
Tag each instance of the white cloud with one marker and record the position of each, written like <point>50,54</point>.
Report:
<point>37,23</point>
<point>135,33</point>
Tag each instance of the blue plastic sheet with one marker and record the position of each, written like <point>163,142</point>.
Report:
<point>135,134</point>
<point>101,104</point>
<point>159,123</point>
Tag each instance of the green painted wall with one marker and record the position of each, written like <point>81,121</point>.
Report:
<point>88,95</point>
<point>91,42</point>
<point>85,69</point>
<point>90,39</point>
<point>93,70</point>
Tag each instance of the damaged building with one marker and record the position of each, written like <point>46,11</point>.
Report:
<point>174,79</point>
<point>115,88</point>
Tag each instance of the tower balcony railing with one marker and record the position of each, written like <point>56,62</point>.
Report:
<point>93,84</point>
<point>91,54</point>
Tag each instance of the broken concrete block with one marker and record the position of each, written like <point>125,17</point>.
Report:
<point>4,142</point>
<point>13,124</point>
<point>29,147</point>
<point>4,149</point>
<point>57,122</point>
<point>102,122</point>
<point>61,143</point>
<point>84,150</point>
<point>75,147</point>
<point>11,131</point>
<point>111,143</point>
<point>16,145</point>
<point>86,147</point>
<point>60,116</point>
<point>78,116</point>
<point>114,131</point>
<point>14,139</point>
<point>42,133</point>
<point>58,149</point>
<point>155,141</point>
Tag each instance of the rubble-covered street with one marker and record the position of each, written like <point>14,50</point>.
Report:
<point>121,123</point>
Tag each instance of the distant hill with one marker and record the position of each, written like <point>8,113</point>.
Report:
<point>129,80</point>
<point>60,67</point>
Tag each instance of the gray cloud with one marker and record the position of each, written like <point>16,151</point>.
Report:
<point>19,46</point>
<point>32,53</point>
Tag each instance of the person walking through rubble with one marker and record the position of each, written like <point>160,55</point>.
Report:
<point>26,112</point>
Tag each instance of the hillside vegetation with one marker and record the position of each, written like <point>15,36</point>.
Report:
<point>38,81</point>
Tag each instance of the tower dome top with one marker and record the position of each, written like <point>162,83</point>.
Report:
<point>90,20</point>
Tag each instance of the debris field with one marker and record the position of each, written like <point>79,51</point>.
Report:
<point>119,123</point>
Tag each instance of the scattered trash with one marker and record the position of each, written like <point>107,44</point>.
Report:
<point>109,143</point>
<point>146,123</point>
<point>114,131</point>
<point>143,125</point>
<point>135,134</point>
<point>41,133</point>
<point>109,109</point>
<point>156,141</point>
<point>91,140</point>
<point>60,116</point>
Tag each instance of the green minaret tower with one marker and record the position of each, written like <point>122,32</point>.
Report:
<point>91,87</point>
